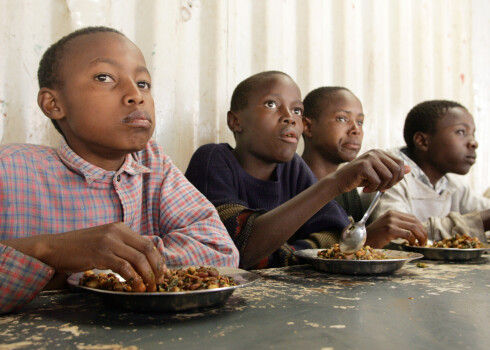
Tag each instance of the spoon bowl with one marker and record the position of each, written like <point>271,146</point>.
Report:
<point>353,236</point>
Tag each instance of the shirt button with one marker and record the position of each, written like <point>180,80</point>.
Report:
<point>118,178</point>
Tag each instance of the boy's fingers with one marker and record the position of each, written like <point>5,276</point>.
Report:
<point>407,234</point>
<point>411,223</point>
<point>395,168</point>
<point>150,258</point>
<point>141,265</point>
<point>388,169</point>
<point>126,270</point>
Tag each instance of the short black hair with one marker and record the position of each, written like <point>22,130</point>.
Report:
<point>313,102</point>
<point>423,117</point>
<point>241,94</point>
<point>49,71</point>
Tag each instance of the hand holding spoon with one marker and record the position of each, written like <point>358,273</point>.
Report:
<point>353,236</point>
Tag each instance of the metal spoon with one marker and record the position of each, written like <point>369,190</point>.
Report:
<point>353,236</point>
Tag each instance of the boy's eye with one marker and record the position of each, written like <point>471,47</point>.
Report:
<point>270,104</point>
<point>104,78</point>
<point>144,85</point>
<point>341,119</point>
<point>460,132</point>
<point>298,111</point>
<point>360,122</point>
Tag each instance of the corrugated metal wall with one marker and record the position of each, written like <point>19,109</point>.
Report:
<point>392,54</point>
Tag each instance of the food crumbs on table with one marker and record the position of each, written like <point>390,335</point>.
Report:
<point>422,265</point>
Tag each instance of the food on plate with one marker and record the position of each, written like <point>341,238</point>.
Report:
<point>365,253</point>
<point>179,280</point>
<point>459,241</point>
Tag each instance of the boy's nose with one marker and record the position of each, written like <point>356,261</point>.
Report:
<point>287,117</point>
<point>355,128</point>
<point>133,94</point>
<point>473,143</point>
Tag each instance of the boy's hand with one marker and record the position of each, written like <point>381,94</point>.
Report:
<point>392,225</point>
<point>113,246</point>
<point>374,170</point>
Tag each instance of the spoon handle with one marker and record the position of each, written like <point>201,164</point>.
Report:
<point>371,207</point>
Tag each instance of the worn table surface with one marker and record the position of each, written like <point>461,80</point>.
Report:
<point>444,306</point>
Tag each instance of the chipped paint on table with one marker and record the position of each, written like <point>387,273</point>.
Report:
<point>442,306</point>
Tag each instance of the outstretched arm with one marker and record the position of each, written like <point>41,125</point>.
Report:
<point>374,170</point>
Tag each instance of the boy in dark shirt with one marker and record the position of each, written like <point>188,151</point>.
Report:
<point>264,192</point>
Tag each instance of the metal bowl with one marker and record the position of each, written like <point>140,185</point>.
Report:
<point>447,254</point>
<point>170,301</point>
<point>396,259</point>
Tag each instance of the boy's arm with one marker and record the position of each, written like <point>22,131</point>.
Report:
<point>474,224</point>
<point>393,225</point>
<point>111,246</point>
<point>21,278</point>
<point>191,230</point>
<point>468,220</point>
<point>374,170</point>
<point>239,220</point>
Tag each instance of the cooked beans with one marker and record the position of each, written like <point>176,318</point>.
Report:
<point>459,241</point>
<point>365,253</point>
<point>181,280</point>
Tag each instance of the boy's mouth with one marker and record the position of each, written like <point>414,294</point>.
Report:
<point>352,146</point>
<point>289,135</point>
<point>471,159</point>
<point>139,119</point>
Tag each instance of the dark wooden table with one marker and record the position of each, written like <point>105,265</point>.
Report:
<point>444,306</point>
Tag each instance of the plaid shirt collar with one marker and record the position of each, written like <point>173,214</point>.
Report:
<point>419,174</point>
<point>92,173</point>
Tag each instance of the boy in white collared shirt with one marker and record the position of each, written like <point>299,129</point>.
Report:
<point>440,138</point>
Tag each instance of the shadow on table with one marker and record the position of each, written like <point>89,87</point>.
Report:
<point>301,274</point>
<point>86,308</point>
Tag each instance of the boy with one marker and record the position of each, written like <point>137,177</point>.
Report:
<point>86,204</point>
<point>333,135</point>
<point>440,138</point>
<point>265,194</point>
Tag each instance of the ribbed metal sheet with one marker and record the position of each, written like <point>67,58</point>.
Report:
<point>392,54</point>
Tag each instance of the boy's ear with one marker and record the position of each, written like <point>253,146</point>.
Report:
<point>48,101</point>
<point>306,126</point>
<point>421,141</point>
<point>233,121</point>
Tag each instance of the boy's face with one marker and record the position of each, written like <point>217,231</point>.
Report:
<point>270,126</point>
<point>452,148</point>
<point>337,133</point>
<point>108,110</point>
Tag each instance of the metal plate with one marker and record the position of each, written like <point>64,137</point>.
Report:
<point>396,259</point>
<point>171,301</point>
<point>447,254</point>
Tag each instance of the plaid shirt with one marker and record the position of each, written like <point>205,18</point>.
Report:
<point>47,190</point>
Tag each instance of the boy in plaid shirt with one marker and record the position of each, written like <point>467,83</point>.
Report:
<point>87,204</point>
